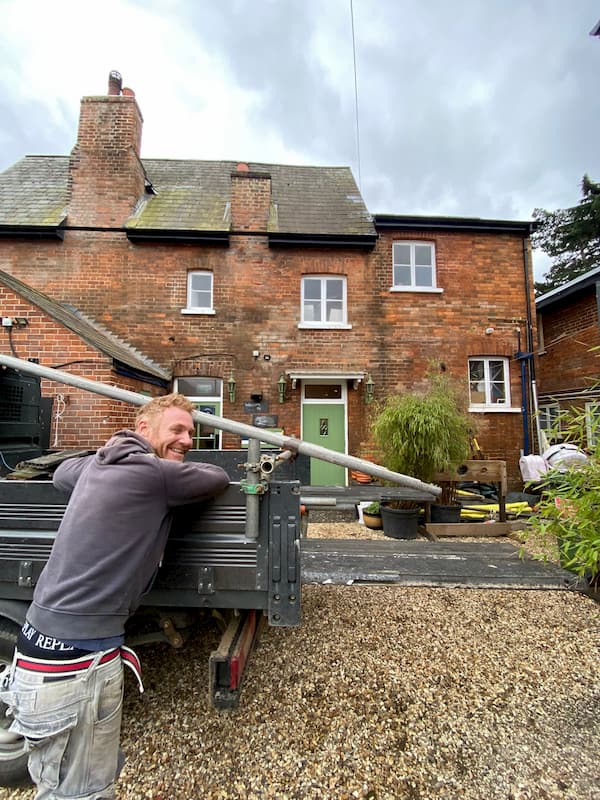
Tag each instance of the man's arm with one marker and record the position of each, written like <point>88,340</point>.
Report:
<point>67,474</point>
<point>192,482</point>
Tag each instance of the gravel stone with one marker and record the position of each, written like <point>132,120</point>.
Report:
<point>383,693</point>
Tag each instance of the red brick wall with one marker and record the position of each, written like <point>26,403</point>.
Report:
<point>569,332</point>
<point>138,291</point>
<point>79,418</point>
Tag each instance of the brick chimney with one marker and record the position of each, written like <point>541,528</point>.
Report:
<point>250,199</point>
<point>106,178</point>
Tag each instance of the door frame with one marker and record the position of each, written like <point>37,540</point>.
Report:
<point>343,401</point>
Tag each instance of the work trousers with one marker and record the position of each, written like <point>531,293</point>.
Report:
<point>71,723</point>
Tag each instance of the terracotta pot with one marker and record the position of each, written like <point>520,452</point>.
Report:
<point>372,521</point>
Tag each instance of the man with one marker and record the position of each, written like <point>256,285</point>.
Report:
<point>65,689</point>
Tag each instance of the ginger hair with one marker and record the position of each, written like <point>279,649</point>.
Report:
<point>158,405</point>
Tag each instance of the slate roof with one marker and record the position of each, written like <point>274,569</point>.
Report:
<point>33,192</point>
<point>87,329</point>
<point>196,196</point>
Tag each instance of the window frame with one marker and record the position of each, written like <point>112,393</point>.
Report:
<point>190,309</point>
<point>488,405</point>
<point>202,403</point>
<point>549,415</point>
<point>592,428</point>
<point>414,286</point>
<point>321,323</point>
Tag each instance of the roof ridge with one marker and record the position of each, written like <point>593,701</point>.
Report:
<point>101,328</point>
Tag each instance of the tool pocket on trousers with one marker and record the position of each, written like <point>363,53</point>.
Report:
<point>46,735</point>
<point>46,755</point>
<point>104,756</point>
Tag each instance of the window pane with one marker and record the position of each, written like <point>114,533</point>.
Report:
<point>201,281</point>
<point>401,253</point>
<point>334,289</point>
<point>423,255</point>
<point>548,417</point>
<point>401,276</point>
<point>323,391</point>
<point>312,312</point>
<point>476,370</point>
<point>477,382</point>
<point>497,371</point>
<point>335,311</point>
<point>423,276</point>
<point>199,387</point>
<point>497,392</point>
<point>200,290</point>
<point>497,388</point>
<point>312,289</point>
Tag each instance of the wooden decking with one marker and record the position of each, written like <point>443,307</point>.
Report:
<point>485,565</point>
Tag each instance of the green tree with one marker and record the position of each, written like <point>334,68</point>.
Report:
<point>570,236</point>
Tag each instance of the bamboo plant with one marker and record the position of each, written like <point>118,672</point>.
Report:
<point>568,513</point>
<point>421,434</point>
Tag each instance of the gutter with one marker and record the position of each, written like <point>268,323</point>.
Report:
<point>176,237</point>
<point>473,224</point>
<point>32,232</point>
<point>359,241</point>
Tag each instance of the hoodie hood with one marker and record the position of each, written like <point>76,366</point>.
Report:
<point>122,445</point>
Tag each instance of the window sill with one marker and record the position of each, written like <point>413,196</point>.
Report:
<point>323,326</point>
<point>417,289</point>
<point>498,408</point>
<point>198,311</point>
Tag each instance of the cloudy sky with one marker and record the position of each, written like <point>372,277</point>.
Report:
<point>483,108</point>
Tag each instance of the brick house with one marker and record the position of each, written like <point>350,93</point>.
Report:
<point>568,321</point>
<point>267,293</point>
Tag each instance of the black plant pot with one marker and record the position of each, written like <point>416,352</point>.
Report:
<point>400,523</point>
<point>442,513</point>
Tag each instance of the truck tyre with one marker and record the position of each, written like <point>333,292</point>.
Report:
<point>13,758</point>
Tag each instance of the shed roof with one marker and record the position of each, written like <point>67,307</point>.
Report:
<point>569,289</point>
<point>87,329</point>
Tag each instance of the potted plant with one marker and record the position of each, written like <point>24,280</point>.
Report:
<point>567,516</point>
<point>421,434</point>
<point>371,515</point>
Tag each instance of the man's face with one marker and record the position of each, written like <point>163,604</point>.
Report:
<point>169,433</point>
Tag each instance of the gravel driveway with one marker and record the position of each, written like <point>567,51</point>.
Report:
<point>383,692</point>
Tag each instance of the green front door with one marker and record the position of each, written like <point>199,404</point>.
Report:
<point>324,423</point>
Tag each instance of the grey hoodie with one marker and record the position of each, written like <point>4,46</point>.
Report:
<point>111,539</point>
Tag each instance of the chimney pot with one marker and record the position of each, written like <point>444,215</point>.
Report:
<point>114,83</point>
<point>126,92</point>
<point>243,167</point>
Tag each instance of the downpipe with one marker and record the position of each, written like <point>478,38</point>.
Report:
<point>286,443</point>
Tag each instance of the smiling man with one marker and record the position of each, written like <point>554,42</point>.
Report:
<point>65,689</point>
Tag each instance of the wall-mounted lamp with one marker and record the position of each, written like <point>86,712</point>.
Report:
<point>369,389</point>
<point>281,387</point>
<point>231,388</point>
